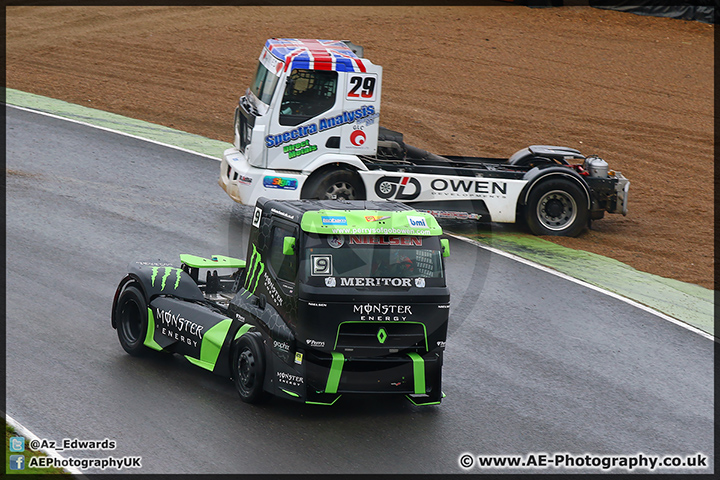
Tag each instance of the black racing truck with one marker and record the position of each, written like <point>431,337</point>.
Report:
<point>335,297</point>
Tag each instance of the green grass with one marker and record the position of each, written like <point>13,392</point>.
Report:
<point>10,432</point>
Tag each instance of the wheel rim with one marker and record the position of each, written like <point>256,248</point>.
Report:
<point>340,190</point>
<point>246,371</point>
<point>556,210</point>
<point>130,322</point>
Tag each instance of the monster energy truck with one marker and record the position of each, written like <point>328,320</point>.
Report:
<point>336,297</point>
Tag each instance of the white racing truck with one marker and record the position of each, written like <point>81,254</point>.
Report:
<point>308,128</point>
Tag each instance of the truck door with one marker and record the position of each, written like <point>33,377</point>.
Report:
<point>282,267</point>
<point>295,130</point>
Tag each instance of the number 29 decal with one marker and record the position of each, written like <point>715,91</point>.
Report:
<point>361,87</point>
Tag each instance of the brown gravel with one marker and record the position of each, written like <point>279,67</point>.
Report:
<point>487,81</point>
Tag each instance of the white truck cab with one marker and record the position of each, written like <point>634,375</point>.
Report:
<point>311,103</point>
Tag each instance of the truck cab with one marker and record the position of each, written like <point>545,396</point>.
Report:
<point>347,297</point>
<point>310,103</point>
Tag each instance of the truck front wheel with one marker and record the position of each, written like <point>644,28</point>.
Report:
<point>556,207</point>
<point>249,368</point>
<point>334,185</point>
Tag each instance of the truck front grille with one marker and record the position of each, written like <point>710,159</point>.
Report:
<point>369,339</point>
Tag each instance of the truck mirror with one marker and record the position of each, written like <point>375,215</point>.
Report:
<point>445,244</point>
<point>289,246</point>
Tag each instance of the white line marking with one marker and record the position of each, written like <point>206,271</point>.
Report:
<point>585,284</point>
<point>20,429</point>
<point>39,112</point>
<point>464,239</point>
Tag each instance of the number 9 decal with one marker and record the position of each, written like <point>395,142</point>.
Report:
<point>321,265</point>
<point>257,215</point>
<point>361,87</point>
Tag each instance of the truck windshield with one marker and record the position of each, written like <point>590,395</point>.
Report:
<point>264,84</point>
<point>372,260</point>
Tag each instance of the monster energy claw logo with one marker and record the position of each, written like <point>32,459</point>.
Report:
<point>166,274</point>
<point>254,270</point>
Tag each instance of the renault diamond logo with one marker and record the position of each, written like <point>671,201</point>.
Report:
<point>382,335</point>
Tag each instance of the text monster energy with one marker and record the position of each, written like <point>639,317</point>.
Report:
<point>177,327</point>
<point>254,270</point>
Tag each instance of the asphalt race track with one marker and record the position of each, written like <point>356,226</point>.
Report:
<point>534,363</point>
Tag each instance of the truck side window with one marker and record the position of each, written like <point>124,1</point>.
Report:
<point>284,266</point>
<point>308,93</point>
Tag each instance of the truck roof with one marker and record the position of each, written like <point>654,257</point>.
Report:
<point>333,55</point>
<point>361,217</point>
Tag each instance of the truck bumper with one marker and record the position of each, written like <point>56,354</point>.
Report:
<point>327,376</point>
<point>621,189</point>
<point>245,183</point>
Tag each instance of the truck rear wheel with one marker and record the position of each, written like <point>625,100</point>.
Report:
<point>334,185</point>
<point>132,318</point>
<point>249,368</point>
<point>556,207</point>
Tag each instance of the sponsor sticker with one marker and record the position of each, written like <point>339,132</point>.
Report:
<point>374,282</point>
<point>336,241</point>
<point>399,188</point>
<point>358,138</point>
<point>290,379</point>
<point>283,346</point>
<point>244,180</point>
<point>376,218</point>
<point>417,222</point>
<point>299,149</point>
<point>282,214</point>
<point>280,183</point>
<point>328,220</point>
<point>383,312</point>
<point>302,131</point>
<point>389,240</point>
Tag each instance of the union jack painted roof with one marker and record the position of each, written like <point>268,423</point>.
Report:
<point>315,54</point>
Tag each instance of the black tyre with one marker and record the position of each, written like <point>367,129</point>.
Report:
<point>131,319</point>
<point>334,185</point>
<point>249,368</point>
<point>557,207</point>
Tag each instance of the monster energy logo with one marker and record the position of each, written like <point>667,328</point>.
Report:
<point>168,271</point>
<point>255,269</point>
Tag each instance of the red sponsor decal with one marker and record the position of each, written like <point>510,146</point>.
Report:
<point>357,138</point>
<point>381,240</point>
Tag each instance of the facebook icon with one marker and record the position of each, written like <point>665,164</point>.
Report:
<point>17,462</point>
